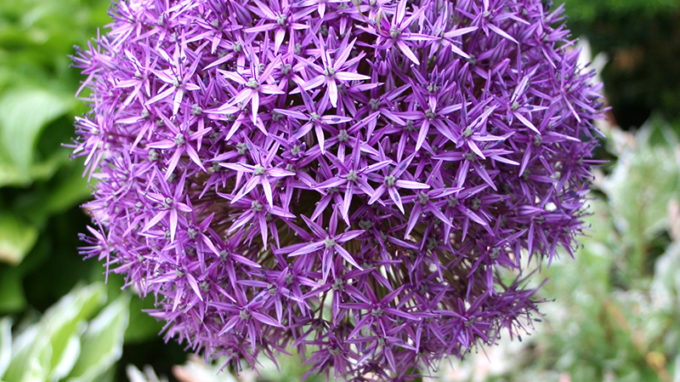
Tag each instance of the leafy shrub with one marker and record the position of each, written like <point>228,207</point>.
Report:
<point>642,41</point>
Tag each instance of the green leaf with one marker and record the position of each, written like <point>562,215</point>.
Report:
<point>666,285</point>
<point>644,180</point>
<point>642,184</point>
<point>142,326</point>
<point>37,369</point>
<point>23,114</point>
<point>102,343</point>
<point>17,237</point>
<point>11,291</point>
<point>47,347</point>
<point>676,368</point>
<point>21,348</point>
<point>69,356</point>
<point>5,344</point>
<point>67,319</point>
<point>109,375</point>
<point>64,190</point>
<point>10,175</point>
<point>69,188</point>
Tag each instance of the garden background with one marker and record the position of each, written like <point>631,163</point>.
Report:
<point>614,310</point>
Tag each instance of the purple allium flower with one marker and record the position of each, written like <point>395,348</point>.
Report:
<point>361,180</point>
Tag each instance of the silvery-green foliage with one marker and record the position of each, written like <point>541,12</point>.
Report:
<point>77,339</point>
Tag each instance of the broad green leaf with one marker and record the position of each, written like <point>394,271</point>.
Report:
<point>47,347</point>
<point>17,237</point>
<point>67,321</point>
<point>38,367</point>
<point>5,344</point>
<point>11,291</point>
<point>64,190</point>
<point>142,326</point>
<point>70,355</point>
<point>70,188</point>
<point>21,348</point>
<point>23,113</point>
<point>11,175</point>
<point>102,342</point>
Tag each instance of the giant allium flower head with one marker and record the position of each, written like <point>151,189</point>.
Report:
<point>360,180</point>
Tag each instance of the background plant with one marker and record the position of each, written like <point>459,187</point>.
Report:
<point>642,40</point>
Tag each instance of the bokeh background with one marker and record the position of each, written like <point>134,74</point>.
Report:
<point>613,312</point>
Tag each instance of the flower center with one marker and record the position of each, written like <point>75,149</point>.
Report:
<point>338,284</point>
<point>329,72</point>
<point>196,110</point>
<point>241,147</point>
<point>343,136</point>
<point>153,155</point>
<point>395,32</point>
<point>179,140</point>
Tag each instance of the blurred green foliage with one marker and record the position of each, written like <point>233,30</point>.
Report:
<point>38,182</point>
<point>642,41</point>
<point>37,84</point>
<point>588,11</point>
<point>68,342</point>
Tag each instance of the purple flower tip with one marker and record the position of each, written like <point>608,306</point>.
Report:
<point>362,180</point>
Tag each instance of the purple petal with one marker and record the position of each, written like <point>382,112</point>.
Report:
<point>408,52</point>
<point>409,184</point>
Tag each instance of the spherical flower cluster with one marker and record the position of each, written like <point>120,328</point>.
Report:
<point>361,180</point>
